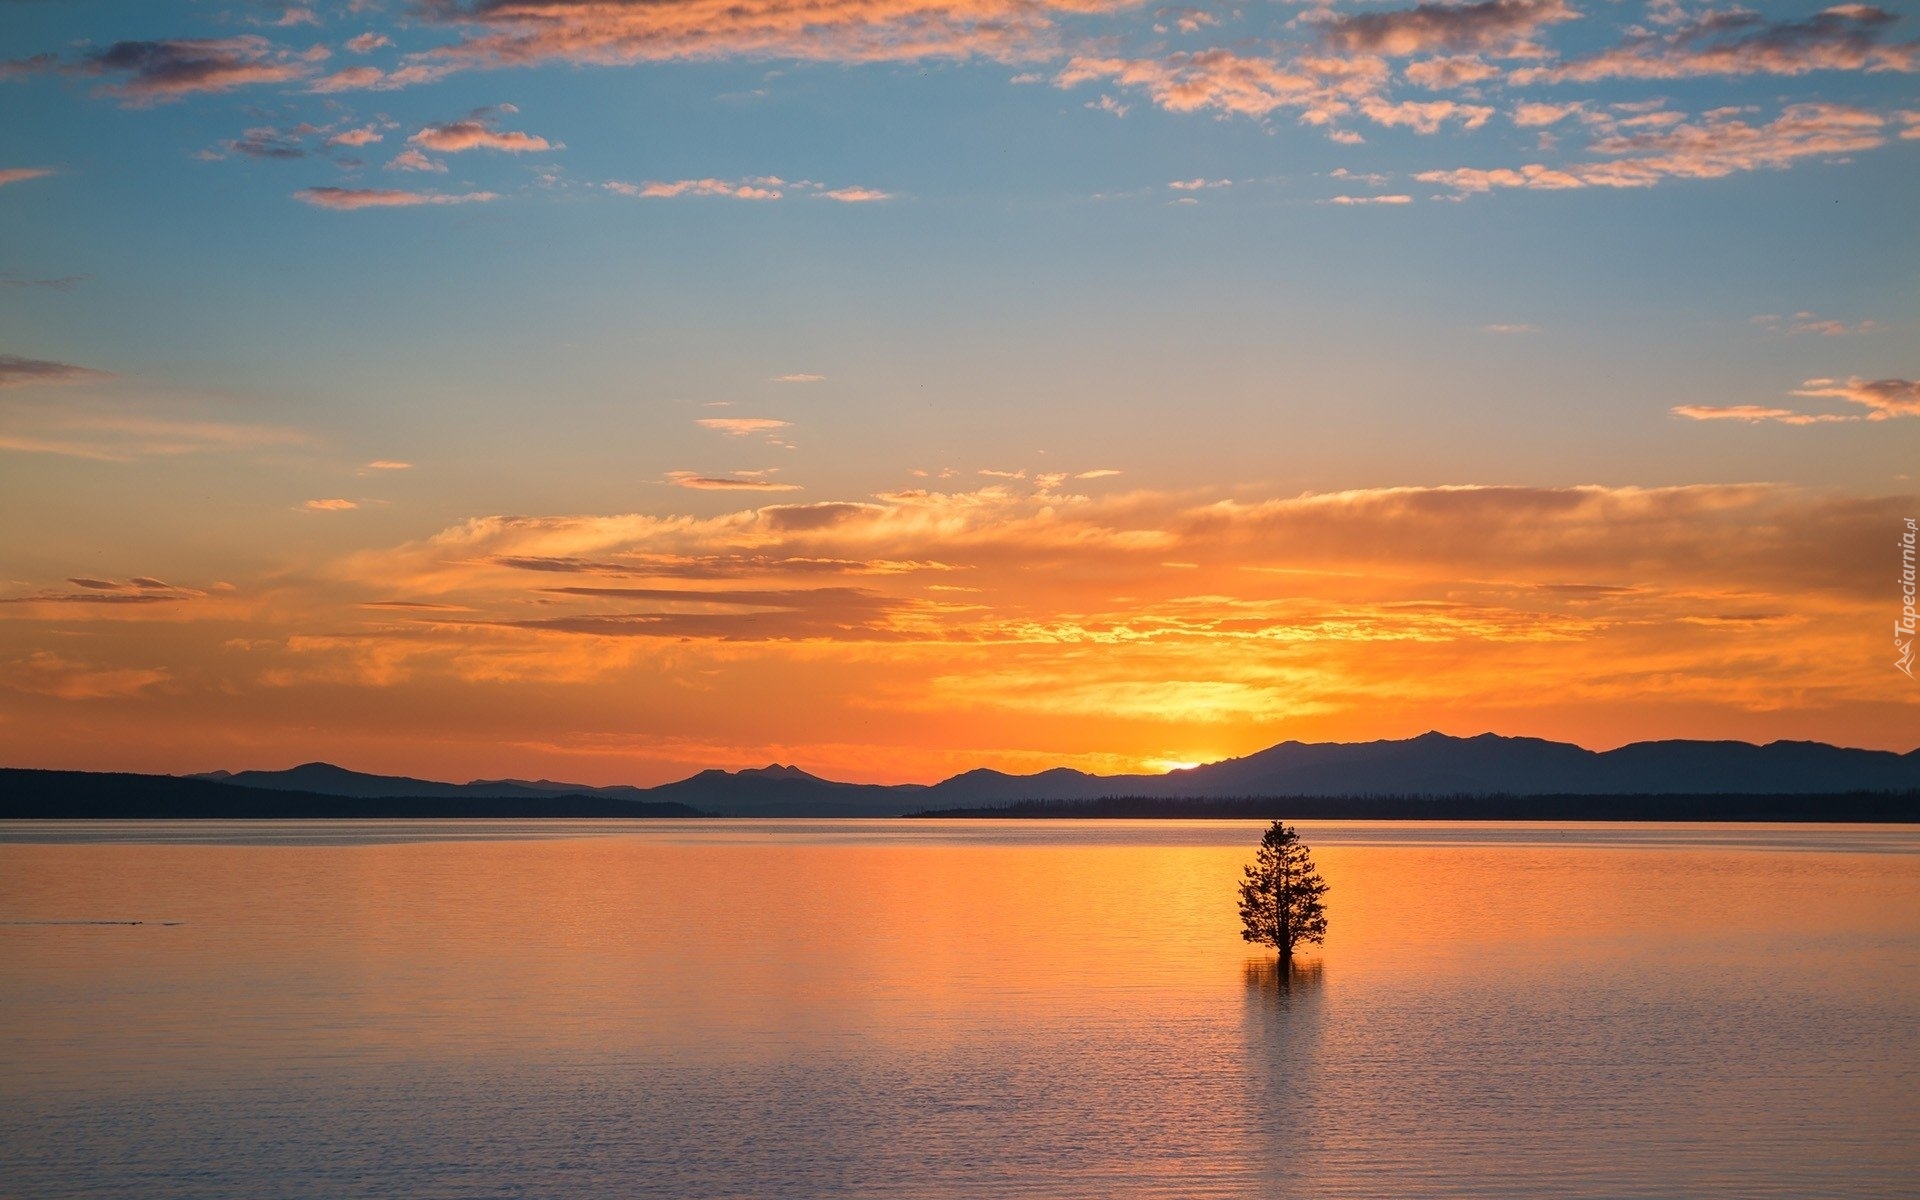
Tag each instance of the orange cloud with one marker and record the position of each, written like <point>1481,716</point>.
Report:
<point>1718,144</point>
<point>349,79</point>
<point>1423,116</point>
<point>333,505</point>
<point>526,32</point>
<point>46,673</point>
<point>1535,115</point>
<point>355,137</point>
<point>22,174</point>
<point>1015,624</point>
<point>1237,84</point>
<point>1458,71</point>
<point>477,133</point>
<point>1755,413</point>
<point>413,160</point>
<point>1884,397</point>
<point>854,195</point>
<point>1496,26</point>
<point>119,434</point>
<point>742,426</point>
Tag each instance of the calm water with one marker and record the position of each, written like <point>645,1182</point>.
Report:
<point>982,1009</point>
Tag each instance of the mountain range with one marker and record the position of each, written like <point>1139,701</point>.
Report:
<point>1379,778</point>
<point>1432,764</point>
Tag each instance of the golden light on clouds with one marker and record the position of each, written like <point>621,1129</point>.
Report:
<point>904,636</point>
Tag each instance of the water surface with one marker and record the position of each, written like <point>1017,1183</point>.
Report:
<point>920,1009</point>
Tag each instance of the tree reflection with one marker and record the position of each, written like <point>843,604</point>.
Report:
<point>1281,982</point>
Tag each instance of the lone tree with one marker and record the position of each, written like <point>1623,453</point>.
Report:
<point>1280,896</point>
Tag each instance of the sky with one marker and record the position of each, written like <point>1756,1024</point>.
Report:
<point>604,391</point>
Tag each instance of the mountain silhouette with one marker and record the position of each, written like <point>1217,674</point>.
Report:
<point>97,795</point>
<point>1431,765</point>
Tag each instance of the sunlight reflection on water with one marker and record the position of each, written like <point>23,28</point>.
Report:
<point>918,1009</point>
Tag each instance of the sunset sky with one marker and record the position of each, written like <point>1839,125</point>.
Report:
<point>604,391</point>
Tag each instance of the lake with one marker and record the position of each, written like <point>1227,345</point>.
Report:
<point>953,1009</point>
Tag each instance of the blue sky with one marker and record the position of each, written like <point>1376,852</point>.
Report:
<point>1602,244</point>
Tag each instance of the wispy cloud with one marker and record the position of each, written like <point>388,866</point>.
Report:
<point>742,426</point>
<point>1226,81</point>
<point>373,79</point>
<point>117,434</point>
<point>414,160</point>
<point>1451,72</point>
<point>1884,399</point>
<point>734,483</point>
<point>1733,41</point>
<point>478,131</point>
<point>47,673</point>
<point>1718,144</point>
<point>1532,114</point>
<point>60,283</point>
<point>346,198</point>
<point>16,371</point>
<point>22,174</point>
<point>297,14</point>
<point>853,195</point>
<point>527,32</point>
<point>335,504</point>
<point>157,72</point>
<point>743,189</point>
<point>799,377</point>
<point>1495,26</point>
<point>1536,554</point>
<point>364,135</point>
<point>1423,116</point>
<point>1810,322</point>
<point>266,141</point>
<point>1756,413</point>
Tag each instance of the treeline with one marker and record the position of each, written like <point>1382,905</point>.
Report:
<point>87,795</point>
<point>1847,807</point>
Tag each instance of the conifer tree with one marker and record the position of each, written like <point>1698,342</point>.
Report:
<point>1280,895</point>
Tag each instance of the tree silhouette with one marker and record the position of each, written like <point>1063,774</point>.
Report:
<point>1280,895</point>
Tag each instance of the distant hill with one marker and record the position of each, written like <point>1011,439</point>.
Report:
<point>1843,807</point>
<point>1431,766</point>
<point>777,791</point>
<point>86,795</point>
<point>770,791</point>
<point>1434,764</point>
